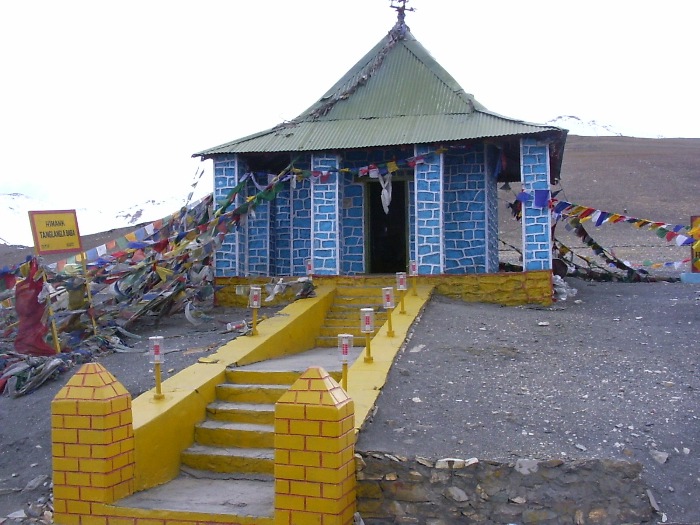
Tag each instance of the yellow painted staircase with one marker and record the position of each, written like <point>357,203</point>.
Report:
<point>343,316</point>
<point>227,474</point>
<point>238,434</point>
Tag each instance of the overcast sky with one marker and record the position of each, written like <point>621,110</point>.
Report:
<point>105,102</point>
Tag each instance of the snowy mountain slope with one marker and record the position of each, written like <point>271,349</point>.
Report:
<point>592,128</point>
<point>15,228</point>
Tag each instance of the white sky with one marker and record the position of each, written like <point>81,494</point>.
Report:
<point>104,102</point>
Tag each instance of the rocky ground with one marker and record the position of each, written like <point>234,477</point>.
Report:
<point>609,373</point>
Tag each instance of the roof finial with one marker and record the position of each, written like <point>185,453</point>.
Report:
<point>400,6</point>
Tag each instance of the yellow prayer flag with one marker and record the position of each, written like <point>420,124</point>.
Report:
<point>163,273</point>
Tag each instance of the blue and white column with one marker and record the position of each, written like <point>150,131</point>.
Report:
<point>325,215</point>
<point>536,219</point>
<point>229,258</point>
<point>429,230</point>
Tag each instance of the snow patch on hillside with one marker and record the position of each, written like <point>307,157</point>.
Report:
<point>15,228</point>
<point>592,128</point>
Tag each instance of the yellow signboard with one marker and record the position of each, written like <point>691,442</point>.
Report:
<point>695,252</point>
<point>55,231</point>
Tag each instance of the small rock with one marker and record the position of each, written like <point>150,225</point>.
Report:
<point>543,323</point>
<point>456,494</point>
<point>424,461</point>
<point>659,457</point>
<point>449,463</point>
<point>34,483</point>
<point>526,466</point>
<point>581,447</point>
<point>417,400</point>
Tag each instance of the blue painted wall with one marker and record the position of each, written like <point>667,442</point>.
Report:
<point>452,214</point>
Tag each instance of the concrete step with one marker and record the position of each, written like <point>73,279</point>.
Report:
<point>223,497</point>
<point>355,303</point>
<point>366,281</point>
<point>260,393</point>
<point>230,434</point>
<point>261,413</point>
<point>229,459</point>
<point>332,342</point>
<point>360,291</point>
<point>352,318</point>
<point>261,377</point>
<point>325,332</point>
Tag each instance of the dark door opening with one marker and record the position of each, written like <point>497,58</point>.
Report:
<point>387,232</point>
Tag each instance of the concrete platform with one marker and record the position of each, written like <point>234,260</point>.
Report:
<point>327,358</point>
<point>206,492</point>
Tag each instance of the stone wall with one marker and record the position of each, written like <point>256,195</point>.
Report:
<point>393,489</point>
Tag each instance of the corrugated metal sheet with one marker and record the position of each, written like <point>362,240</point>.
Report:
<point>396,94</point>
<point>364,133</point>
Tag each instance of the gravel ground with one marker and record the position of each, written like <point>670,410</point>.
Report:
<point>609,373</point>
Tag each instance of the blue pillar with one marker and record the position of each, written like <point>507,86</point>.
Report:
<point>429,228</point>
<point>537,221</point>
<point>325,226</point>
<point>230,258</point>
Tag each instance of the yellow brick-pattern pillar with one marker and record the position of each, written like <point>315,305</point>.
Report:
<point>92,445</point>
<point>314,453</point>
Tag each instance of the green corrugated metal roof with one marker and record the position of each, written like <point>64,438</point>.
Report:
<point>396,94</point>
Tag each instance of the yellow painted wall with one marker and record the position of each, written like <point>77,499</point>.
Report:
<point>506,288</point>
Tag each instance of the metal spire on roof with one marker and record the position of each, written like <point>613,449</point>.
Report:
<point>400,6</point>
